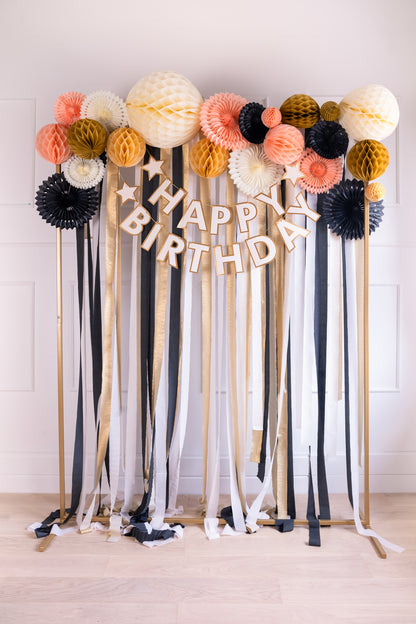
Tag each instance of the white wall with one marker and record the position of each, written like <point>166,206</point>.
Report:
<point>269,48</point>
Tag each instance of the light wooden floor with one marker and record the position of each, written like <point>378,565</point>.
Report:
<point>249,579</point>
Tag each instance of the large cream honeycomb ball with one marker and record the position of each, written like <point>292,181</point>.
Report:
<point>369,112</point>
<point>163,108</point>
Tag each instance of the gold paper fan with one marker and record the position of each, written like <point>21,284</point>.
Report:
<point>300,111</point>
<point>330,111</point>
<point>87,138</point>
<point>368,160</point>
<point>125,147</point>
<point>207,159</point>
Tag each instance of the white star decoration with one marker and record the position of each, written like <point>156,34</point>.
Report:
<point>293,173</point>
<point>153,167</point>
<point>127,192</point>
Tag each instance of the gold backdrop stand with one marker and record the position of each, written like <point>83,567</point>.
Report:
<point>365,514</point>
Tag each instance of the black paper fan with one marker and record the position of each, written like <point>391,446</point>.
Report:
<point>63,205</point>
<point>343,210</point>
<point>250,123</point>
<point>328,139</point>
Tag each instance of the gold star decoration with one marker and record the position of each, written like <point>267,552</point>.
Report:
<point>153,167</point>
<point>127,192</point>
<point>293,173</point>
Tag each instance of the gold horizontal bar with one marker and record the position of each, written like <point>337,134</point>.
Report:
<point>46,541</point>
<point>268,522</point>
<point>378,548</point>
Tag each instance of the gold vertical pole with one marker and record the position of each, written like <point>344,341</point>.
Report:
<point>366,362</point>
<point>60,369</point>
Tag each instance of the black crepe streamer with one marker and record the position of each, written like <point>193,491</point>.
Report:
<point>147,330</point>
<point>320,331</point>
<point>175,311</point>
<point>328,139</point>
<point>139,531</point>
<point>313,522</point>
<point>251,126</point>
<point>63,205</point>
<point>227,515</point>
<point>263,451</point>
<point>291,504</point>
<point>343,210</point>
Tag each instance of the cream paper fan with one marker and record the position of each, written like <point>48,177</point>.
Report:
<point>105,107</point>
<point>83,174</point>
<point>369,112</point>
<point>252,171</point>
<point>163,108</point>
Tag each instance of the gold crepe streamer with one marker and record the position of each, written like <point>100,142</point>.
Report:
<point>359,258</point>
<point>161,294</point>
<point>279,473</point>
<point>113,183</point>
<point>206,334</point>
<point>232,336</point>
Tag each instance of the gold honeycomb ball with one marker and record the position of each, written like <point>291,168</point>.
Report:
<point>207,159</point>
<point>368,160</point>
<point>330,111</point>
<point>375,192</point>
<point>125,147</point>
<point>87,138</point>
<point>300,111</point>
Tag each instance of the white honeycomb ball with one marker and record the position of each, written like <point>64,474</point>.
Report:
<point>369,112</point>
<point>163,108</point>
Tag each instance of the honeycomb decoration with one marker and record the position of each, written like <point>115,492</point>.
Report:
<point>368,160</point>
<point>284,144</point>
<point>375,192</point>
<point>330,111</point>
<point>51,143</point>
<point>163,107</point>
<point>125,147</point>
<point>369,112</point>
<point>87,138</point>
<point>207,159</point>
<point>300,111</point>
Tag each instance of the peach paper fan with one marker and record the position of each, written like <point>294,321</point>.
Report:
<point>219,120</point>
<point>320,174</point>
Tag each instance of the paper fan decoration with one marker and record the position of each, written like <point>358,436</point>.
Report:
<point>252,171</point>
<point>67,108</point>
<point>328,139</point>
<point>284,144</point>
<point>300,110</point>
<point>106,108</point>
<point>87,138</point>
<point>375,192</point>
<point>369,112</point>
<point>125,147</point>
<point>320,174</point>
<point>219,120</point>
<point>52,143</point>
<point>368,160</point>
<point>330,111</point>
<point>83,174</point>
<point>64,206</point>
<point>343,210</point>
<point>271,117</point>
<point>163,108</point>
<point>207,159</point>
<point>250,122</point>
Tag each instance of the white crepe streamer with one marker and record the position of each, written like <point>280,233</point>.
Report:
<point>332,403</point>
<point>309,396</point>
<point>353,382</point>
<point>253,513</point>
<point>178,437</point>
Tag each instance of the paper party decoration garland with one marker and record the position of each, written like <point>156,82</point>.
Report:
<point>258,315</point>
